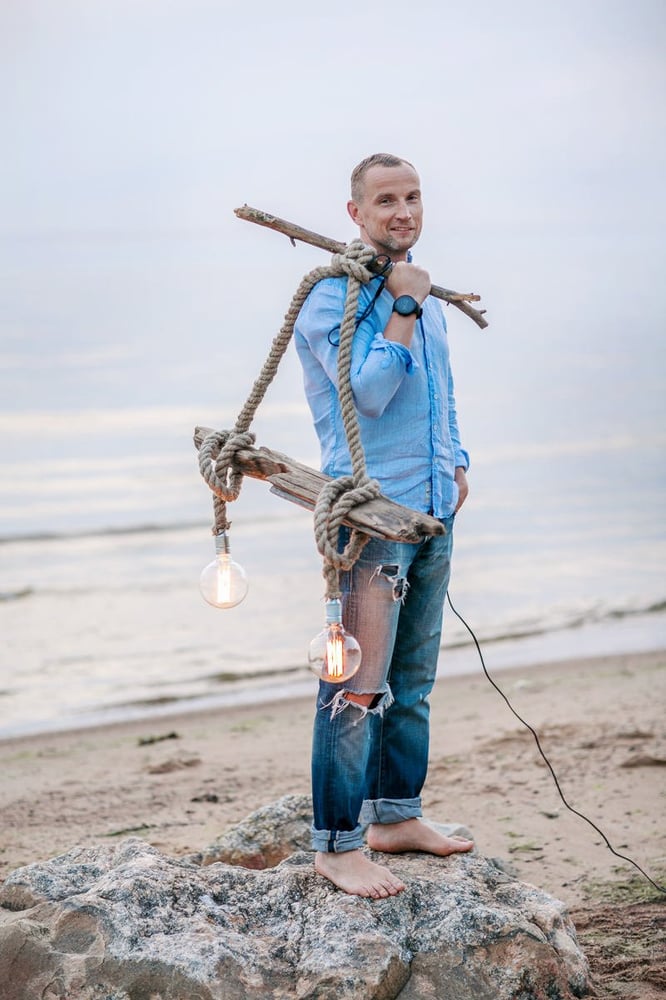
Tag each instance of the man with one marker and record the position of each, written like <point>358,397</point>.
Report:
<point>370,741</point>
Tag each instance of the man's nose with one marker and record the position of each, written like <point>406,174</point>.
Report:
<point>404,211</point>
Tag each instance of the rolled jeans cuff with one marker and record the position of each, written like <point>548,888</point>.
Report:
<point>390,810</point>
<point>337,841</point>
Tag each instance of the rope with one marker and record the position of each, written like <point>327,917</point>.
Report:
<point>339,496</point>
<point>218,451</point>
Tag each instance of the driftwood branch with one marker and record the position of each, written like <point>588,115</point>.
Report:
<point>460,300</point>
<point>291,480</point>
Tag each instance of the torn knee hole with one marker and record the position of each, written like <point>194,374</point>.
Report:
<point>363,703</point>
<point>367,700</point>
<point>390,571</point>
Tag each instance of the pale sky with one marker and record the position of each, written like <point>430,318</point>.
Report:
<point>538,131</point>
<point>128,114</point>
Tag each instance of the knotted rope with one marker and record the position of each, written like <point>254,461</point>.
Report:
<point>218,450</point>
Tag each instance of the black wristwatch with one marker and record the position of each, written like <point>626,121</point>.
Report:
<point>406,305</point>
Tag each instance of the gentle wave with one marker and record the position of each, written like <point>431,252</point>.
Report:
<point>106,532</point>
<point>129,530</point>
<point>16,595</point>
<point>517,630</point>
<point>576,621</point>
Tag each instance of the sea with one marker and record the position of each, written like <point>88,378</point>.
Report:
<point>116,346</point>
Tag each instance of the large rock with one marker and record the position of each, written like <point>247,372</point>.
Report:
<point>125,922</point>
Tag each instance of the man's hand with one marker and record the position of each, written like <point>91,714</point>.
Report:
<point>405,279</point>
<point>463,487</point>
<point>409,279</point>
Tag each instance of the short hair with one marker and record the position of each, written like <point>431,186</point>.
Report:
<point>375,160</point>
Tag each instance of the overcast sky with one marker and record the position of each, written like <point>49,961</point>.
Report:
<point>163,113</point>
<point>538,130</point>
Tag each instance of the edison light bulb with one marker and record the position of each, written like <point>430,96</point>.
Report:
<point>223,582</point>
<point>334,655</point>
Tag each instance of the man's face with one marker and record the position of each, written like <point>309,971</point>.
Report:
<point>390,212</point>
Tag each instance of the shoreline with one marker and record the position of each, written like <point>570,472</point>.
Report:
<point>630,635</point>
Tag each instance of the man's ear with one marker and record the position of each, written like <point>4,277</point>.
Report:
<point>354,212</point>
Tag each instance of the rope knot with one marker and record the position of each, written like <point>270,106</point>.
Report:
<point>352,261</point>
<point>216,461</point>
<point>334,503</point>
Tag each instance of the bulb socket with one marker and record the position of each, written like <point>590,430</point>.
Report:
<point>334,611</point>
<point>222,546</point>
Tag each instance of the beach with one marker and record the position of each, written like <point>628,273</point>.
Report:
<point>138,306</point>
<point>181,780</point>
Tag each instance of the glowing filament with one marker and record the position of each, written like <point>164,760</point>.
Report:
<point>223,582</point>
<point>334,654</point>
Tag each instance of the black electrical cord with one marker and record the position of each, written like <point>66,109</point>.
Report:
<point>624,857</point>
<point>385,263</point>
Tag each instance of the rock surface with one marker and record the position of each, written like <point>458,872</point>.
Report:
<point>265,837</point>
<point>124,922</point>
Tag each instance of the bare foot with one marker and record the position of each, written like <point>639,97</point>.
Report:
<point>356,874</point>
<point>414,835</point>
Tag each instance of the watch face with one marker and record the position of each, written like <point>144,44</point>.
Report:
<point>406,305</point>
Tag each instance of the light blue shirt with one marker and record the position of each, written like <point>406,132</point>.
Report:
<point>404,397</point>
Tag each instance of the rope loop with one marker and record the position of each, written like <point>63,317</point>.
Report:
<point>352,261</point>
<point>336,499</point>
<point>216,461</point>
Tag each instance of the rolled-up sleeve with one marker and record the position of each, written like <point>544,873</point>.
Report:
<point>377,371</point>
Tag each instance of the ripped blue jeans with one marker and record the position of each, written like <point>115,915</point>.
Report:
<point>369,764</point>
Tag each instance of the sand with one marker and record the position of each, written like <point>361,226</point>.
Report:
<point>600,721</point>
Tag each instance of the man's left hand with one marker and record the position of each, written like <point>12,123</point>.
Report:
<point>463,486</point>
